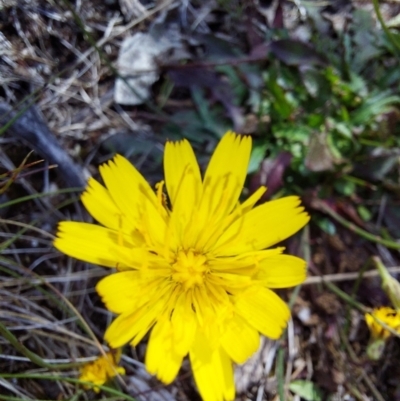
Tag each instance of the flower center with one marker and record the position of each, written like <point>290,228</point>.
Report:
<point>189,269</point>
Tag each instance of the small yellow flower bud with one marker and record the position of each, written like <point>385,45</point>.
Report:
<point>103,369</point>
<point>389,284</point>
<point>379,334</point>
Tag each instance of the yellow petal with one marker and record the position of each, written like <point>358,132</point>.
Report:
<point>376,329</point>
<point>253,199</point>
<point>119,291</point>
<point>282,271</point>
<point>161,359</point>
<point>263,310</point>
<point>262,227</point>
<point>101,370</point>
<point>92,244</point>
<point>183,181</point>
<point>184,325</point>
<point>180,165</point>
<point>239,340</point>
<point>387,315</point>
<point>133,326</point>
<point>134,196</point>
<point>212,371</point>
<point>225,176</point>
<point>100,205</point>
<point>245,263</point>
<point>153,299</point>
<point>126,291</point>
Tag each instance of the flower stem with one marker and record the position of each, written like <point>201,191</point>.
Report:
<point>362,233</point>
<point>36,359</point>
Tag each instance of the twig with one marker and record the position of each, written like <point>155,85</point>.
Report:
<point>362,233</point>
<point>347,298</point>
<point>346,276</point>
<point>27,227</point>
<point>32,356</point>
<point>41,195</point>
<point>36,359</point>
<point>68,380</point>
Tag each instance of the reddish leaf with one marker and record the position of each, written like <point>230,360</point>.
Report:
<point>271,174</point>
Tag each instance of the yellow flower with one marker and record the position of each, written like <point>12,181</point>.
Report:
<point>196,273</point>
<point>103,369</point>
<point>388,316</point>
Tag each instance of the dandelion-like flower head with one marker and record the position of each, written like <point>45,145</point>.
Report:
<point>101,370</point>
<point>194,269</point>
<point>388,316</point>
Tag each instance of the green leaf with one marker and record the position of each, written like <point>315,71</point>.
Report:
<point>257,156</point>
<point>306,389</point>
<point>292,133</point>
<point>211,118</point>
<point>326,225</point>
<point>280,104</point>
<point>375,349</point>
<point>344,187</point>
<point>364,213</point>
<point>377,103</point>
